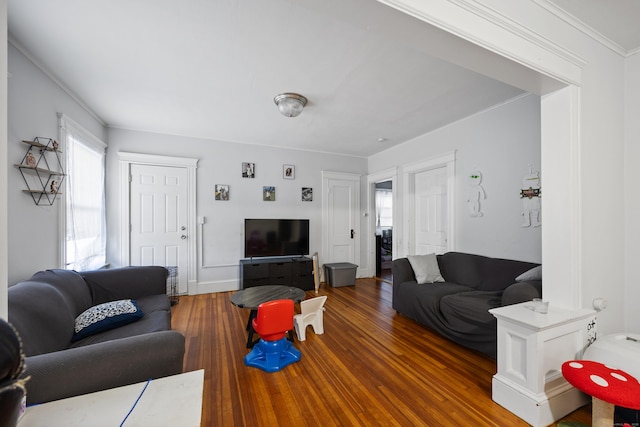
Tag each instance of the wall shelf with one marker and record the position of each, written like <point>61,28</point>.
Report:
<point>42,173</point>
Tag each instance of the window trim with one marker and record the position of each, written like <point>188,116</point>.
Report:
<point>66,125</point>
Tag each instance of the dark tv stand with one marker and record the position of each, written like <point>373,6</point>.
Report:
<point>296,271</point>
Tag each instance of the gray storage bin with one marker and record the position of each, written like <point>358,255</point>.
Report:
<point>340,274</point>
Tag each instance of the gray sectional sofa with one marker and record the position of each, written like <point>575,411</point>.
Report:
<point>61,362</point>
<point>457,306</point>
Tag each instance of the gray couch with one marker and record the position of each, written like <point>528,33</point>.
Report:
<point>43,310</point>
<point>458,308</point>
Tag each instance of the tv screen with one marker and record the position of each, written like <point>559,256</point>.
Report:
<point>276,237</point>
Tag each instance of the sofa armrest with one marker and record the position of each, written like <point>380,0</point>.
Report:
<point>402,272</point>
<point>521,292</point>
<point>125,282</point>
<point>101,366</point>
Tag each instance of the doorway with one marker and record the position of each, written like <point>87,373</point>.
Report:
<point>384,229</point>
<point>429,206</point>
<point>137,245</point>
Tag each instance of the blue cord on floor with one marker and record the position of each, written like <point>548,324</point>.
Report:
<point>136,402</point>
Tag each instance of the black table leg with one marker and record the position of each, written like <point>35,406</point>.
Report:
<point>250,342</point>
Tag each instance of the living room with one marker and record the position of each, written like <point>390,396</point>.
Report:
<point>585,151</point>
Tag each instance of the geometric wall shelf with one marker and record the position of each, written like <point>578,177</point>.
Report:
<point>42,172</point>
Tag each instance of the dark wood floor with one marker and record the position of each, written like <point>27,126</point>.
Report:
<point>371,367</point>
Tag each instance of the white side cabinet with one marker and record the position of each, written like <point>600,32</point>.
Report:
<point>531,349</point>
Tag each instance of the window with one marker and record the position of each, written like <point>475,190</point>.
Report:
<point>384,208</point>
<point>84,194</point>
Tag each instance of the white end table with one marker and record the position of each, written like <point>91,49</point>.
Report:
<point>531,349</point>
<point>169,401</point>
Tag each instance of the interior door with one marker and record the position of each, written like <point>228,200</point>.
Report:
<point>430,211</point>
<point>158,232</point>
<point>342,219</point>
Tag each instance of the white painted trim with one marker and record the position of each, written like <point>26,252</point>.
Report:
<point>408,174</point>
<point>390,174</point>
<point>326,176</point>
<point>126,160</point>
<point>499,34</point>
<point>582,27</point>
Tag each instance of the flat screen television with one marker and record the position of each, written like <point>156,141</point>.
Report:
<point>276,237</point>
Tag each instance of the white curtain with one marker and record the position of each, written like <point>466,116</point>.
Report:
<point>384,208</point>
<point>85,222</point>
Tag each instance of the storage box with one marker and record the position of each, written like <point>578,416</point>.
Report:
<point>340,274</point>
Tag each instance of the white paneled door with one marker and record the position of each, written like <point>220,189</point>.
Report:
<point>341,217</point>
<point>159,227</point>
<point>430,211</point>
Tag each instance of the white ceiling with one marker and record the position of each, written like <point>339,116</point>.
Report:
<point>210,69</point>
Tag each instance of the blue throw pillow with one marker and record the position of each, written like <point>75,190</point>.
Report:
<point>106,316</point>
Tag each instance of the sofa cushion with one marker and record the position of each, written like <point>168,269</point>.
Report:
<point>465,311</point>
<point>425,268</point>
<point>461,268</point>
<point>103,317</point>
<point>125,282</point>
<point>151,322</point>
<point>498,273</point>
<point>418,301</point>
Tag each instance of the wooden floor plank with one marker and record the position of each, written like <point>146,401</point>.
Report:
<point>372,367</point>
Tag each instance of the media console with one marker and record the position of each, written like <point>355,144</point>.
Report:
<point>286,271</point>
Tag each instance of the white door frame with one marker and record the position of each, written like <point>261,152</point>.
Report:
<point>126,160</point>
<point>385,175</point>
<point>326,177</point>
<point>408,178</point>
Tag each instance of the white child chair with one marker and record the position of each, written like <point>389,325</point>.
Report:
<point>311,311</point>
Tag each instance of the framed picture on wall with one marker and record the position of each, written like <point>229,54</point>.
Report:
<point>222,192</point>
<point>248,170</point>
<point>307,194</point>
<point>288,172</point>
<point>269,194</point>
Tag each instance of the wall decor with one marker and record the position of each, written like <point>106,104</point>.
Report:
<point>269,194</point>
<point>222,192</point>
<point>248,170</point>
<point>476,193</point>
<point>288,172</point>
<point>307,194</point>
<point>530,194</point>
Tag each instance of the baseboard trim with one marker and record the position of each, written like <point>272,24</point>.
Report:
<point>539,411</point>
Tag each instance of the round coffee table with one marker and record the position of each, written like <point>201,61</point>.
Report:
<point>252,297</point>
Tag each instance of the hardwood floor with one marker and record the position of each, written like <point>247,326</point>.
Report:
<point>370,367</point>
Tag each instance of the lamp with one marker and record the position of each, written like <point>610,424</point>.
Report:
<point>290,104</point>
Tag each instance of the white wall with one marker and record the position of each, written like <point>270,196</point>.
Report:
<point>501,143</point>
<point>221,243</point>
<point>632,190</point>
<point>4,163</point>
<point>33,103</point>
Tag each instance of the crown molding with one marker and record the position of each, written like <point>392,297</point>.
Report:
<point>583,28</point>
<point>471,18</point>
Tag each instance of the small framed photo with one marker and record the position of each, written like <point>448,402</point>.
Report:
<point>269,194</point>
<point>222,192</point>
<point>307,194</point>
<point>288,172</point>
<point>248,170</point>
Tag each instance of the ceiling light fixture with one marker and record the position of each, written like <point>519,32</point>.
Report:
<point>290,104</point>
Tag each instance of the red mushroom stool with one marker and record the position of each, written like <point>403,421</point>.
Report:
<point>608,387</point>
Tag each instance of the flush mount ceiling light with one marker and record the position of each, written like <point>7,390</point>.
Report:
<point>290,104</point>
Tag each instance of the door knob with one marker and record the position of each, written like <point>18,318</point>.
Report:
<point>183,237</point>
<point>183,228</point>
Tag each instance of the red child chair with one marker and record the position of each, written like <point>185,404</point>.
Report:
<point>273,351</point>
